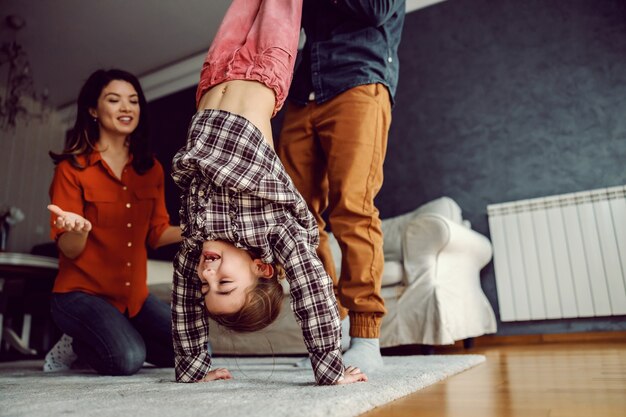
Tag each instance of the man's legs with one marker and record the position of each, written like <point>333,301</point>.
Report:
<point>353,129</point>
<point>347,139</point>
<point>304,160</point>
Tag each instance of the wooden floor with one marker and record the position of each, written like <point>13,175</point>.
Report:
<point>555,379</point>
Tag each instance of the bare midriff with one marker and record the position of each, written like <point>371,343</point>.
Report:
<point>249,99</point>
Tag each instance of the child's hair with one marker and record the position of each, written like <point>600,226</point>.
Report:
<point>261,308</point>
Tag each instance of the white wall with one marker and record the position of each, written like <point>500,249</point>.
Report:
<point>25,174</point>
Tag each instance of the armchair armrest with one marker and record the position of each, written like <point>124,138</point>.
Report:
<point>432,242</point>
<point>443,299</point>
<point>394,227</point>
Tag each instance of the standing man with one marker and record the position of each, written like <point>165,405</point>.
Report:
<point>333,145</point>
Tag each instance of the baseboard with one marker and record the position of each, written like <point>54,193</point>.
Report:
<point>495,340</point>
<point>508,340</point>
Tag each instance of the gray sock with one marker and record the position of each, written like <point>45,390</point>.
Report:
<point>345,343</point>
<point>364,354</point>
<point>61,356</point>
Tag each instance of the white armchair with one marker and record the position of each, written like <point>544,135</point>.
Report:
<point>431,286</point>
<point>440,300</point>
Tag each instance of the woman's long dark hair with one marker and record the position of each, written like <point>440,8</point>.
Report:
<point>81,140</point>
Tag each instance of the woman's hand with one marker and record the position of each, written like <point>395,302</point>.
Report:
<point>216,374</point>
<point>68,221</point>
<point>351,375</point>
<point>73,243</point>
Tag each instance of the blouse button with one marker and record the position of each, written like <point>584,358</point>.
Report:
<point>128,263</point>
<point>124,188</point>
<point>129,225</point>
<point>130,244</point>
<point>390,59</point>
<point>127,205</point>
<point>127,284</point>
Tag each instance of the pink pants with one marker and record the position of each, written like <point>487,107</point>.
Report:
<point>257,40</point>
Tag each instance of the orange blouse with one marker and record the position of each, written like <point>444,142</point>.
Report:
<point>125,215</point>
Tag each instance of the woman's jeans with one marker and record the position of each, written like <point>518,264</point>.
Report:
<point>109,341</point>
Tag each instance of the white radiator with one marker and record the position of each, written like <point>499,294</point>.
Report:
<point>561,256</point>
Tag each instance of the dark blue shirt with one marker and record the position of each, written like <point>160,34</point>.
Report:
<point>348,43</point>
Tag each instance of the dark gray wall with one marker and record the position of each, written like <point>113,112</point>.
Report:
<point>499,100</point>
<point>502,100</point>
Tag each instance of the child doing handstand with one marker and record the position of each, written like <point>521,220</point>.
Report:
<point>243,220</point>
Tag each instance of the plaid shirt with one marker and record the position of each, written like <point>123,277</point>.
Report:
<point>235,189</point>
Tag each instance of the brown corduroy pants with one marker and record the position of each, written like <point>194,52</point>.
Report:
<point>334,153</point>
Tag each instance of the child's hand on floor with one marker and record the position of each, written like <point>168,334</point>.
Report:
<point>351,375</point>
<point>217,374</point>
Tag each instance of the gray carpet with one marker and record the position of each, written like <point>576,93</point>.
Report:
<point>262,387</point>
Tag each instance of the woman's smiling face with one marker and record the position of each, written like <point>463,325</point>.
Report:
<point>118,108</point>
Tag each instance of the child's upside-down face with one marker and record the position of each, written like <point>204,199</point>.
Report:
<point>227,274</point>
